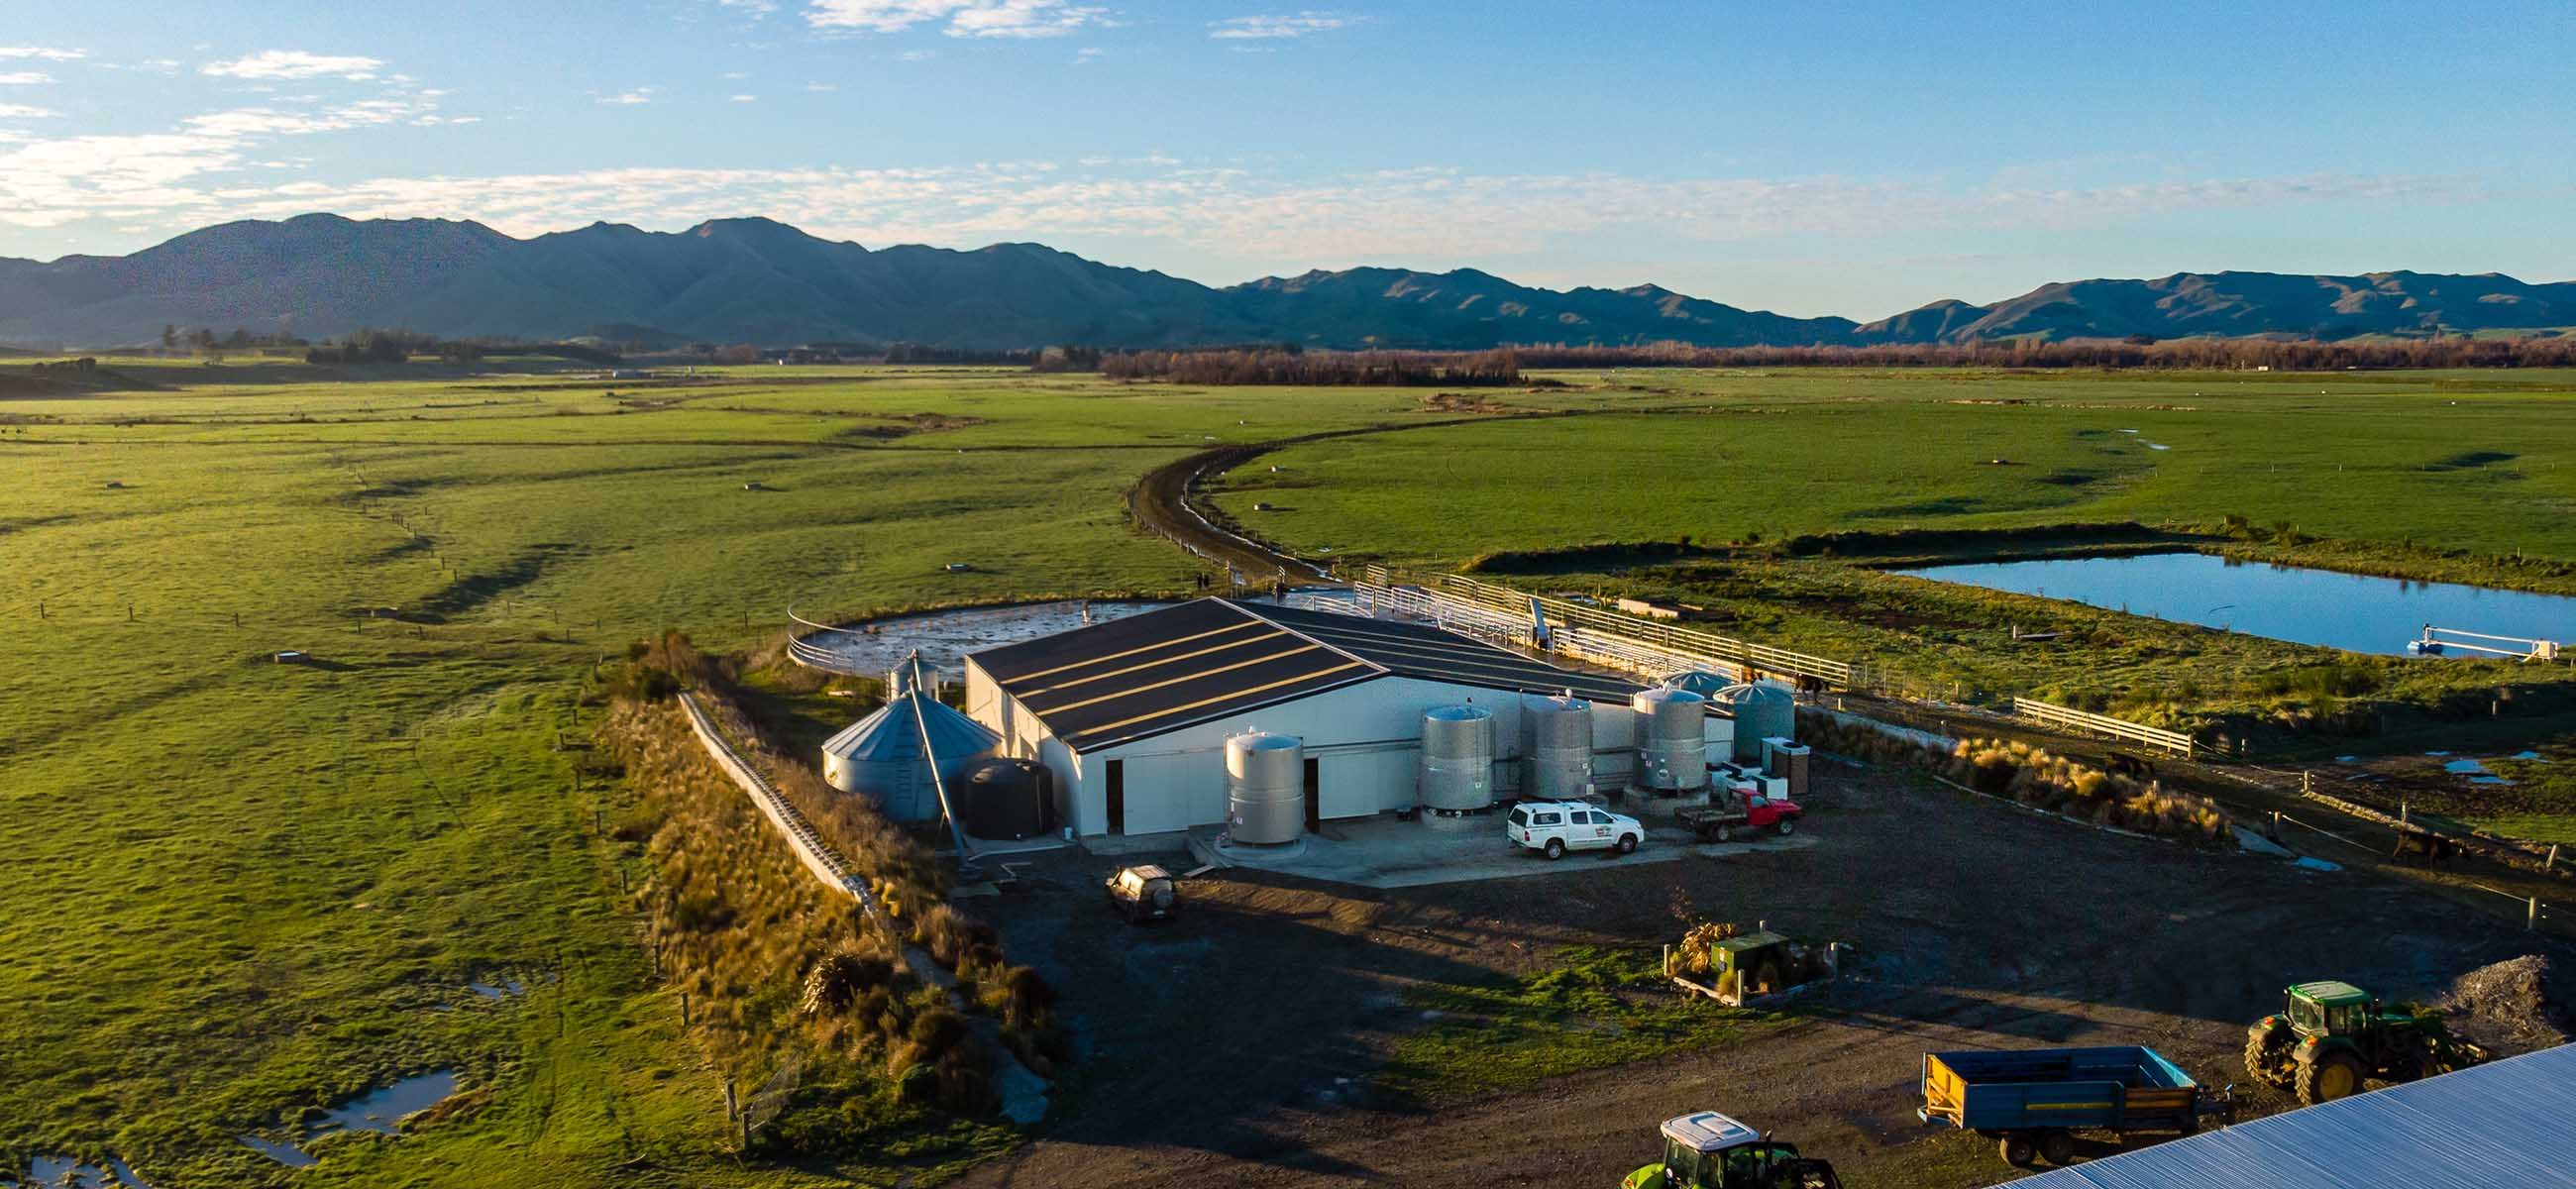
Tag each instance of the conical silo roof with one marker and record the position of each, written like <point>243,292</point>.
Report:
<point>894,733</point>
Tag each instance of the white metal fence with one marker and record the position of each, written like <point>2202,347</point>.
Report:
<point>2051,714</point>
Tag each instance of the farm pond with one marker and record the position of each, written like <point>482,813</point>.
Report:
<point>2356,612</point>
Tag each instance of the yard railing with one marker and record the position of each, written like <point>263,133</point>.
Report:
<point>2052,714</point>
<point>1641,645</point>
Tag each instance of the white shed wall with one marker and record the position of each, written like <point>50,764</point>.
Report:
<point>1366,740</point>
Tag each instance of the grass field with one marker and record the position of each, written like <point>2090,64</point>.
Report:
<point>244,889</point>
<point>2455,459</point>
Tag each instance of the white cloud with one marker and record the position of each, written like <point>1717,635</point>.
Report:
<point>639,95</point>
<point>758,8</point>
<point>21,111</point>
<point>918,55</point>
<point>822,88</point>
<point>1299,24</point>
<point>1088,53</point>
<point>292,64</point>
<point>746,98</point>
<point>42,53</point>
<point>25,78</point>
<point>961,18</point>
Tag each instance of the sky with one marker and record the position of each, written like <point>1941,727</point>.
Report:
<point>1826,158</point>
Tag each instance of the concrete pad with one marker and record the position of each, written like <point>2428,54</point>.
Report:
<point>1120,846</point>
<point>1382,852</point>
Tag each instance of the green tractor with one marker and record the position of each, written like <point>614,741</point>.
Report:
<point>1710,1151</point>
<point>2332,1036</point>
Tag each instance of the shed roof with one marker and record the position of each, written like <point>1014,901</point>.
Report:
<point>1208,659</point>
<point>2499,1124</point>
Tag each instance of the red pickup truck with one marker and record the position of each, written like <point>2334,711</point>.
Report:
<point>1730,810</point>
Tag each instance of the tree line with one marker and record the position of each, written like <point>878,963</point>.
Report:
<point>1494,368</point>
<point>2189,354</point>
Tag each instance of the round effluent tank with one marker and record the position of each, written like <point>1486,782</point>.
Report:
<point>1762,711</point>
<point>1672,741</point>
<point>1560,748</point>
<point>1009,799</point>
<point>1457,758</point>
<point>1265,788</point>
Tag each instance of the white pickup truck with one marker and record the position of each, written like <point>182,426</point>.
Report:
<point>1555,827</point>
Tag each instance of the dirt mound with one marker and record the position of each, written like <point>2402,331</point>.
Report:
<point>2513,1006</point>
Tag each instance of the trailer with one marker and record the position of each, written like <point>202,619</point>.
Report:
<point>2032,1101</point>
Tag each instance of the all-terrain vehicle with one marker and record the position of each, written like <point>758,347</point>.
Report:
<point>2332,1036</point>
<point>1710,1151</point>
<point>1144,893</point>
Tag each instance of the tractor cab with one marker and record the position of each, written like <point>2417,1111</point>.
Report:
<point>1711,1151</point>
<point>2330,1008</point>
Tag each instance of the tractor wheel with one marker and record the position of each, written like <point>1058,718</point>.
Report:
<point>1627,844</point>
<point>1556,848</point>
<point>2057,1147</point>
<point>2262,1060</point>
<point>2018,1150</point>
<point>2332,1076</point>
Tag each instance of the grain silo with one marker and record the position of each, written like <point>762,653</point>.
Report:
<point>1560,748</point>
<point>1457,772</point>
<point>1672,742</point>
<point>1265,788</point>
<point>888,755</point>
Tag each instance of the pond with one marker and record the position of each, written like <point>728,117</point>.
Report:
<point>2323,607</point>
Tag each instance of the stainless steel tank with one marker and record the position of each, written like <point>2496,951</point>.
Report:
<point>1265,787</point>
<point>1457,758</point>
<point>1672,741</point>
<point>1560,749</point>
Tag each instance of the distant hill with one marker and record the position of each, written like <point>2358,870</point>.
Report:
<point>755,280</point>
<point>2243,303</point>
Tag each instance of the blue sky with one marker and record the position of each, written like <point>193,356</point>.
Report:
<point>1827,158</point>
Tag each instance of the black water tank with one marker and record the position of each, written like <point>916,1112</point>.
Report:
<point>1010,799</point>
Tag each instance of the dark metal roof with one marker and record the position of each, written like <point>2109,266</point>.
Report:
<point>1180,666</point>
<point>1420,650</point>
<point>2492,1125</point>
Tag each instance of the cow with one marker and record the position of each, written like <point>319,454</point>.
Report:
<point>2423,847</point>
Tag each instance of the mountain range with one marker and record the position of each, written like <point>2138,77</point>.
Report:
<point>759,281</point>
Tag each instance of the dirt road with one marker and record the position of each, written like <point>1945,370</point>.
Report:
<point>1236,1048</point>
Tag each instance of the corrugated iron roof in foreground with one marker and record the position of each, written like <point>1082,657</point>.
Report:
<point>1209,659</point>
<point>2506,1125</point>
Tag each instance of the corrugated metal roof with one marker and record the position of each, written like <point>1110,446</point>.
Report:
<point>2508,1123</point>
<point>1211,659</point>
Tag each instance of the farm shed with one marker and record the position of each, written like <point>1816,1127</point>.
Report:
<point>1133,715</point>
<point>2492,1125</point>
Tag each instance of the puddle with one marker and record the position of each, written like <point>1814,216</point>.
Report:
<point>2465,767</point>
<point>281,1152</point>
<point>2527,755</point>
<point>2158,446</point>
<point>380,1110</point>
<point>57,1172</point>
<point>508,988</point>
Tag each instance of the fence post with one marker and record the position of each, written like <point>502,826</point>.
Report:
<point>2552,864</point>
<point>2307,784</point>
<point>2531,916</point>
<point>2403,815</point>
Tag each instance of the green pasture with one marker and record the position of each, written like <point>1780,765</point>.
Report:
<point>2454,460</point>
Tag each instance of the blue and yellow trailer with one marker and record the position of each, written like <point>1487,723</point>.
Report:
<point>2031,1101</point>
